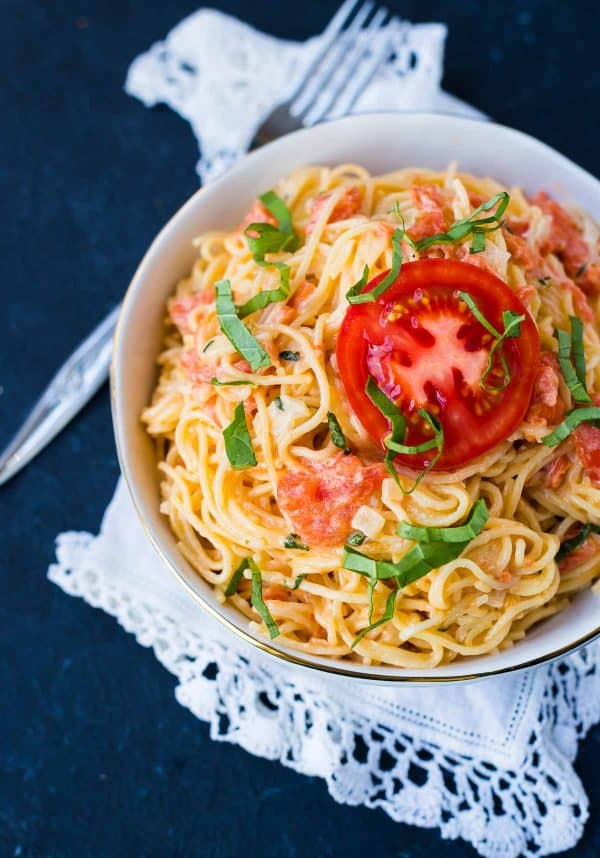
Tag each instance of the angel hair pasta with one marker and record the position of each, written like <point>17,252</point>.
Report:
<point>377,413</point>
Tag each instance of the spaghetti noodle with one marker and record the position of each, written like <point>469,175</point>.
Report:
<point>271,479</point>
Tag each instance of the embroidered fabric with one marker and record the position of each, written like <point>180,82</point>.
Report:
<point>224,77</point>
<point>489,762</point>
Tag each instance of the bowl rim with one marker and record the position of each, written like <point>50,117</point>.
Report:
<point>288,655</point>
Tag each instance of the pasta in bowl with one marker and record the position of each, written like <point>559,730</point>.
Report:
<point>375,415</point>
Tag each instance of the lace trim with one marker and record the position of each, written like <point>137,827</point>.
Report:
<point>537,810</point>
<point>212,67</point>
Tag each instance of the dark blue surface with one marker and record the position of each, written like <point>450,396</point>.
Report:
<point>96,757</point>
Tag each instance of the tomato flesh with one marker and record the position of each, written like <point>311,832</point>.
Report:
<point>425,349</point>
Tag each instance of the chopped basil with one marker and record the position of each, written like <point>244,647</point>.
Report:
<point>572,421</point>
<point>292,540</point>
<point>471,225</point>
<point>416,563</point>
<point>439,546</point>
<point>570,545</point>
<point>356,538</point>
<point>258,603</point>
<point>396,418</point>
<point>337,436</point>
<point>570,349</point>
<point>371,590</point>
<point>355,295</point>
<point>577,388</point>
<point>234,583</point>
<point>265,238</point>
<point>238,444</point>
<point>286,355</point>
<point>278,403</point>
<point>355,561</point>
<point>464,533</point>
<point>234,329</point>
<point>395,441</point>
<point>413,449</point>
<point>512,329</point>
<point>577,349</point>
<point>387,407</point>
<point>280,212</point>
<point>234,383</point>
<point>269,296</point>
<point>387,616</point>
<point>464,296</point>
<point>478,242</point>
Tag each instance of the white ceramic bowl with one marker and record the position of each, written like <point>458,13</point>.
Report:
<point>380,142</point>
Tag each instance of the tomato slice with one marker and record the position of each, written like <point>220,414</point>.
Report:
<point>425,349</point>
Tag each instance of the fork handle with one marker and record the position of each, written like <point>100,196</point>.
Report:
<point>73,385</point>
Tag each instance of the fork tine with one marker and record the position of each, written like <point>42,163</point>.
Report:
<point>328,37</point>
<point>328,68</point>
<point>350,67</point>
<point>347,97</point>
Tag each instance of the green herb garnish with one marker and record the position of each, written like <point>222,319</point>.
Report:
<point>264,238</point>
<point>207,346</point>
<point>269,296</point>
<point>280,212</point>
<point>512,329</point>
<point>385,618</point>
<point>258,603</point>
<point>571,351</point>
<point>425,556</point>
<point>234,583</point>
<point>238,444</point>
<point>278,403</point>
<point>234,329</point>
<point>464,533</point>
<point>416,563</point>
<point>570,423</point>
<point>237,382</point>
<point>292,540</point>
<point>475,226</point>
<point>286,355</point>
<point>297,582</point>
<point>395,440</point>
<point>355,295</point>
<point>337,436</point>
<point>356,538</point>
<point>472,225</point>
<point>577,349</point>
<point>396,418</point>
<point>478,242</point>
<point>570,545</point>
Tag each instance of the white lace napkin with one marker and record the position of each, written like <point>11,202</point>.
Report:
<point>490,762</point>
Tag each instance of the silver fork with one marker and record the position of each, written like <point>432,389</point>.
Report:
<point>346,60</point>
<point>350,53</point>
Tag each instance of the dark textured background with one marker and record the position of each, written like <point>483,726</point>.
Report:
<point>96,757</point>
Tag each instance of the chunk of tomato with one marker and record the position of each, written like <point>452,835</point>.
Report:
<point>321,499</point>
<point>425,349</point>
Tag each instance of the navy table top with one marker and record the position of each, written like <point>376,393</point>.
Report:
<point>96,757</point>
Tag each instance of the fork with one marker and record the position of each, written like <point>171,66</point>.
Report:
<point>347,58</point>
<point>350,52</point>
